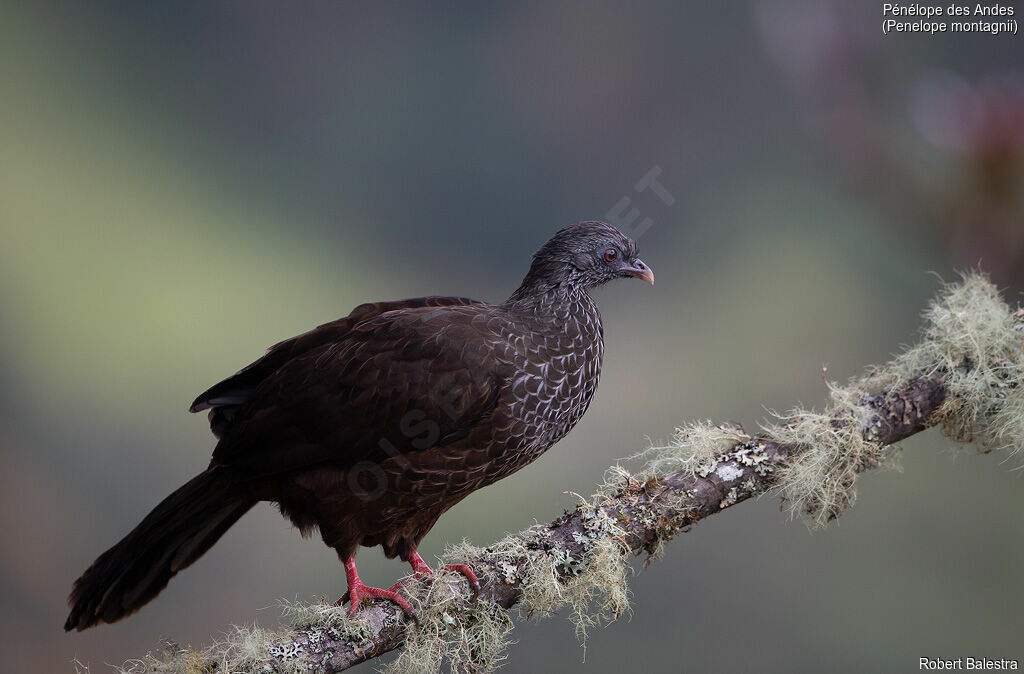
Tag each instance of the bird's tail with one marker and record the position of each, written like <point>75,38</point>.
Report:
<point>178,531</point>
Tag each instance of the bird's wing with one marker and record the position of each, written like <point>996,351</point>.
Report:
<point>402,381</point>
<point>224,398</point>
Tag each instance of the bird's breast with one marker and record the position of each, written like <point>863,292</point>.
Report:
<point>556,375</point>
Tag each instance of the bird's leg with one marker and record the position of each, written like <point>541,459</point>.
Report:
<point>420,570</point>
<point>357,592</point>
<point>419,567</point>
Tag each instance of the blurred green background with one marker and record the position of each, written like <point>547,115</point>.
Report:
<point>183,184</point>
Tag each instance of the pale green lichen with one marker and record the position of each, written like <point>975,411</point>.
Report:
<point>247,649</point>
<point>976,344</point>
<point>242,650</point>
<point>465,636</point>
<point>820,479</point>
<point>694,448</point>
<point>590,581</point>
<point>595,590</point>
<point>320,621</point>
<point>473,636</point>
<point>971,341</point>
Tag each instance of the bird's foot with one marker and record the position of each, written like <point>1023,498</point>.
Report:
<point>358,593</point>
<point>474,582</point>
<point>420,569</point>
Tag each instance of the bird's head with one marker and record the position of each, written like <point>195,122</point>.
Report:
<point>584,255</point>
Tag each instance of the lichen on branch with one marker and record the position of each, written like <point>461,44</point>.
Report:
<point>971,342</point>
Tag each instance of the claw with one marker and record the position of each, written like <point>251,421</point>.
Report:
<point>474,582</point>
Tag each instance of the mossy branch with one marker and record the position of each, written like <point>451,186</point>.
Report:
<point>966,375</point>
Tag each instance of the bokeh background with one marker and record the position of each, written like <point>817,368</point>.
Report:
<point>183,184</point>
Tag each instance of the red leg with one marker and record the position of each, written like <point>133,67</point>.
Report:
<point>419,570</point>
<point>357,592</point>
<point>419,567</point>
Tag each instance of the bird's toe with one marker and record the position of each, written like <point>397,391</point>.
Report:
<point>474,582</point>
<point>357,594</point>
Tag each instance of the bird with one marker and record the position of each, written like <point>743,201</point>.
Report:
<point>370,427</point>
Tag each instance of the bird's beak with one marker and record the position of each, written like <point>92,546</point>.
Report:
<point>640,271</point>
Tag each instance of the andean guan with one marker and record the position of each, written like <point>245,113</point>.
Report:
<point>372,426</point>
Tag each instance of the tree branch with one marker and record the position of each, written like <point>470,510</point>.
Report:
<point>967,374</point>
<point>648,513</point>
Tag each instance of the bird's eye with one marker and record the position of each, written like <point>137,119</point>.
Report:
<point>610,255</point>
